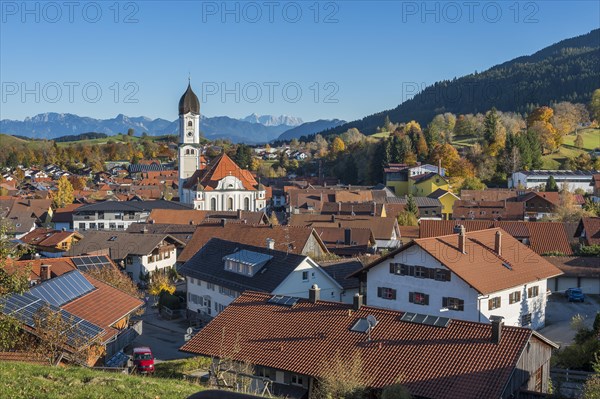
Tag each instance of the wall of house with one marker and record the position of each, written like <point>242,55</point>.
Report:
<point>110,220</point>
<point>312,248</point>
<point>475,305</point>
<point>142,264</point>
<point>447,205</point>
<point>295,285</point>
<point>209,298</point>
<point>589,285</point>
<point>535,357</point>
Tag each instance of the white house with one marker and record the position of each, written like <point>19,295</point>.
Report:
<point>573,179</point>
<point>470,276</point>
<point>222,270</point>
<point>138,254</point>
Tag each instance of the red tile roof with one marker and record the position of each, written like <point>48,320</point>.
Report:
<point>104,306</point>
<point>543,237</point>
<point>221,167</point>
<point>577,266</point>
<point>592,230</point>
<point>480,266</point>
<point>457,361</point>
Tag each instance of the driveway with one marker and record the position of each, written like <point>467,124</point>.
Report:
<point>559,312</point>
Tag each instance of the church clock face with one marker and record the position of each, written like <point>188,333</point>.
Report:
<point>190,134</point>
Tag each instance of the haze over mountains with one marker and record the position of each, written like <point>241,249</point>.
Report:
<point>565,71</point>
<point>251,129</point>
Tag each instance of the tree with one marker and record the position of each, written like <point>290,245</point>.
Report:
<point>159,283</point>
<point>114,277</point>
<point>243,156</point>
<point>595,105</point>
<point>566,117</point>
<point>579,141</point>
<point>130,132</point>
<point>64,193</point>
<point>337,146</point>
<point>387,124</point>
<point>472,183</point>
<point>551,184</point>
<point>494,133</point>
<point>406,218</point>
<point>411,205</point>
<point>546,136</point>
<point>273,219</point>
<point>342,378</point>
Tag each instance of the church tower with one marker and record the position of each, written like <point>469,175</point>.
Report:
<point>189,137</point>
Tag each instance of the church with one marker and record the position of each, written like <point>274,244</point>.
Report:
<point>220,186</point>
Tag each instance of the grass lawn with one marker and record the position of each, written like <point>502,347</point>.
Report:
<point>591,139</point>
<point>381,135</point>
<point>464,141</point>
<point>25,381</point>
<point>553,161</point>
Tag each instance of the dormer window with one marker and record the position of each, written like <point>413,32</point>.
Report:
<point>245,262</point>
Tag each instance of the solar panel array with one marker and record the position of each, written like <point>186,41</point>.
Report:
<point>63,289</point>
<point>283,300</point>
<point>25,306</point>
<point>425,319</point>
<point>85,263</point>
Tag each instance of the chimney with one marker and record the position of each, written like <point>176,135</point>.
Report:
<point>314,294</point>
<point>332,218</point>
<point>239,214</point>
<point>339,207</point>
<point>440,166</point>
<point>347,236</point>
<point>270,243</point>
<point>460,229</point>
<point>496,328</point>
<point>145,230</point>
<point>191,222</point>
<point>223,222</point>
<point>374,208</point>
<point>498,243</point>
<point>45,272</point>
<point>37,256</point>
<point>357,301</point>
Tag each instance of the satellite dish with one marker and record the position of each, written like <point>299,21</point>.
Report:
<point>372,321</point>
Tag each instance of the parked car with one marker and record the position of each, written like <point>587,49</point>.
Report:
<point>143,360</point>
<point>575,295</point>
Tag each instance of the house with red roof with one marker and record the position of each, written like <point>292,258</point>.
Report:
<point>294,343</point>
<point>471,276</point>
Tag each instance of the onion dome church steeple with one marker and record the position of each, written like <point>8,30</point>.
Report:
<point>189,102</point>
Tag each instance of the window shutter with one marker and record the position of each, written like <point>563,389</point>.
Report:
<point>411,297</point>
<point>490,304</point>
<point>444,302</point>
<point>426,302</point>
<point>411,270</point>
<point>393,294</point>
<point>430,273</point>
<point>461,304</point>
<point>392,268</point>
<point>379,293</point>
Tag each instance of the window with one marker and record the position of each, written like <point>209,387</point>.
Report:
<point>228,292</point>
<point>167,254</point>
<point>81,226</point>
<point>246,204</point>
<point>526,319</point>
<point>101,226</point>
<point>210,286</point>
<point>533,291</point>
<point>190,123</point>
<point>297,379</point>
<point>305,276</point>
<point>442,275</point>
<point>92,225</point>
<point>420,272</point>
<point>213,204</point>
<point>386,293</point>
<point>418,298</point>
<point>129,260</point>
<point>514,297</point>
<point>453,303</point>
<point>494,303</point>
<point>230,204</point>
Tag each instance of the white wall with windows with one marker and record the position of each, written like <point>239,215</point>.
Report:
<point>414,281</point>
<point>163,259</point>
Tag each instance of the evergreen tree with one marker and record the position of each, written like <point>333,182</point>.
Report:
<point>491,126</point>
<point>411,205</point>
<point>535,148</point>
<point>551,184</point>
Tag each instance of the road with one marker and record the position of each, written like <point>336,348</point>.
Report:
<point>559,313</point>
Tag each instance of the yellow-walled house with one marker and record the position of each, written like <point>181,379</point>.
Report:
<point>447,199</point>
<point>400,177</point>
<point>426,184</point>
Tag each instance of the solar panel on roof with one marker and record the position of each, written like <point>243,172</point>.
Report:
<point>86,263</point>
<point>429,320</point>
<point>283,300</point>
<point>63,289</point>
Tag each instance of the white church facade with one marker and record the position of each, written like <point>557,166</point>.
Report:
<point>220,186</point>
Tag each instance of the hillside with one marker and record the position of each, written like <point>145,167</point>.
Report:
<point>25,381</point>
<point>566,71</point>
<point>309,128</point>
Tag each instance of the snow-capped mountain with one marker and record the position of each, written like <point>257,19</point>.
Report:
<point>271,120</point>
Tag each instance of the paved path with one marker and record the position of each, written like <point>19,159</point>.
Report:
<point>559,313</point>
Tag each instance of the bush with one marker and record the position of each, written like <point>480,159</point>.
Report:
<point>395,391</point>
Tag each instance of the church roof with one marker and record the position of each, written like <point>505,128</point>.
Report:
<point>221,167</point>
<point>189,102</point>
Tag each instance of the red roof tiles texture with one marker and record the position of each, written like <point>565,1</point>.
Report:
<point>458,361</point>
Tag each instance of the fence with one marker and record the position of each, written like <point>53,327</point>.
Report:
<point>569,383</point>
<point>125,338</point>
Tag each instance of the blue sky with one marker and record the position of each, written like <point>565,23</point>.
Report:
<point>330,59</point>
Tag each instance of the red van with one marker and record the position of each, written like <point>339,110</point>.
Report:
<point>143,359</point>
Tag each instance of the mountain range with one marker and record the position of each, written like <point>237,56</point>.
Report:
<point>251,129</point>
<point>565,71</point>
